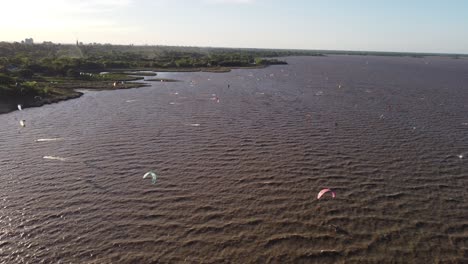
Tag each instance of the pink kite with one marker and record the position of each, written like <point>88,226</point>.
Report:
<point>322,192</point>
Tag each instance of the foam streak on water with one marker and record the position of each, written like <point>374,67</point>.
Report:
<point>238,180</point>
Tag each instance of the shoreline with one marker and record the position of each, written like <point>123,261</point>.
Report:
<point>7,107</point>
<point>198,69</point>
<point>70,92</point>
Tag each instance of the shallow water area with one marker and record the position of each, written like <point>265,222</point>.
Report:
<point>238,179</point>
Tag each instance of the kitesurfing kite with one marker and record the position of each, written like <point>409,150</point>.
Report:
<point>322,192</point>
<point>20,107</point>
<point>54,158</point>
<point>48,139</point>
<point>152,175</point>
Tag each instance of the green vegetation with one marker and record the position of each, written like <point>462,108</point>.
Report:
<point>26,61</point>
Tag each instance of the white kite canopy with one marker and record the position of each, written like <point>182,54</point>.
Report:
<point>54,158</point>
<point>152,175</point>
<point>322,192</point>
<point>48,139</point>
<point>20,107</point>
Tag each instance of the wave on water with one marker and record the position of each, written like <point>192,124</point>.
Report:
<point>48,139</point>
<point>54,158</point>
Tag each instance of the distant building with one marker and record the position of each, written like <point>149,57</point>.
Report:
<point>47,43</point>
<point>29,41</point>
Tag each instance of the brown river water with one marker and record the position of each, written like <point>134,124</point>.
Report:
<point>238,179</point>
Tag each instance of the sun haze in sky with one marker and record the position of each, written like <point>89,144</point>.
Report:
<point>419,26</point>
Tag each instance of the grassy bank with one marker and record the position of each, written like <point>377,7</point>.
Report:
<point>41,90</point>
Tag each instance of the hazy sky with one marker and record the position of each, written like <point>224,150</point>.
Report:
<point>382,25</point>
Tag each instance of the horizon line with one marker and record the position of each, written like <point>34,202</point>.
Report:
<point>325,51</point>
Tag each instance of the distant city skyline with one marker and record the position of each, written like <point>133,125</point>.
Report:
<point>400,26</point>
